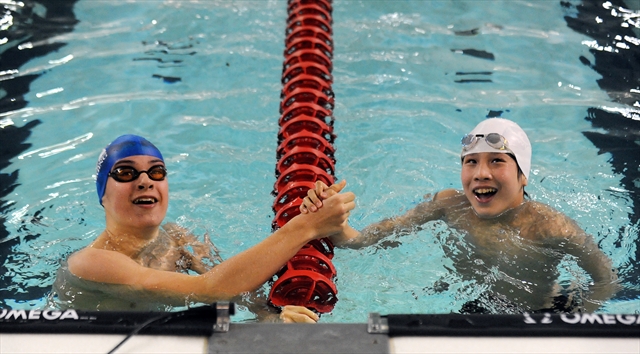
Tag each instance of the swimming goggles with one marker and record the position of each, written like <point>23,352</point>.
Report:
<point>128,174</point>
<point>494,140</point>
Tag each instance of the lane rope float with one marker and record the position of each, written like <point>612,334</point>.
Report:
<point>305,152</point>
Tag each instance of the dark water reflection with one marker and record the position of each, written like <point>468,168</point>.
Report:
<point>26,29</point>
<point>614,27</point>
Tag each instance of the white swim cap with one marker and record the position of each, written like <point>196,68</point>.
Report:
<point>516,142</point>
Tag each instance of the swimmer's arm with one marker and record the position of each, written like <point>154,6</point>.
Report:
<point>110,267</point>
<point>250,269</point>
<point>599,266</point>
<point>401,225</point>
<point>590,258</point>
<point>241,273</point>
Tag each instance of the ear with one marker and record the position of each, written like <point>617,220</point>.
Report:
<point>525,181</point>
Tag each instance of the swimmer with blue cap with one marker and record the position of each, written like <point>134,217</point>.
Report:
<point>499,239</point>
<point>137,264</point>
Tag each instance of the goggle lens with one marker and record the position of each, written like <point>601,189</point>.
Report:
<point>496,141</point>
<point>128,174</point>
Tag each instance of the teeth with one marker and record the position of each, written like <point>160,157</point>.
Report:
<point>144,201</point>
<point>485,190</point>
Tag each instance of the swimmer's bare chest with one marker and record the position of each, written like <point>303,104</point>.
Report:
<point>510,236</point>
<point>164,254</point>
<point>520,222</point>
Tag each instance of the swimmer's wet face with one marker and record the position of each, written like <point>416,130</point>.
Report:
<point>122,147</point>
<point>492,183</point>
<point>138,202</point>
<point>496,159</point>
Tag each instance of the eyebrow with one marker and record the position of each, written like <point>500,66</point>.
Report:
<point>131,162</point>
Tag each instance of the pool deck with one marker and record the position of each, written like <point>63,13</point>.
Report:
<point>305,338</point>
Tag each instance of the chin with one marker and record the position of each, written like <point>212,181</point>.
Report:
<point>151,220</point>
<point>488,214</point>
<point>485,214</point>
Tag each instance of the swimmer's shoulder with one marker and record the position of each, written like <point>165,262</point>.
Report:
<point>438,205</point>
<point>549,222</point>
<point>101,265</point>
<point>541,211</point>
<point>447,194</point>
<point>80,263</point>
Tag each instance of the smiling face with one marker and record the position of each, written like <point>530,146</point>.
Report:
<point>491,183</point>
<point>141,203</point>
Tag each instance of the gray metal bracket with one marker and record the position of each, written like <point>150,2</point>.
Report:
<point>377,324</point>
<point>224,310</point>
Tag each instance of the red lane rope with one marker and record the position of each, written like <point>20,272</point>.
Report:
<point>305,151</point>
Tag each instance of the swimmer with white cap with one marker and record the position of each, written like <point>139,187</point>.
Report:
<point>134,264</point>
<point>516,243</point>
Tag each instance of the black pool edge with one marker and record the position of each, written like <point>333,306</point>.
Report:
<point>216,318</point>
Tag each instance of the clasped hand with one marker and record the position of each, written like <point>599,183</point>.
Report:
<point>313,201</point>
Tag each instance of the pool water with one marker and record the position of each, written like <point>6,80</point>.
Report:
<point>201,79</point>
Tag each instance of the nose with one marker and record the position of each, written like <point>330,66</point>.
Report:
<point>482,172</point>
<point>144,182</point>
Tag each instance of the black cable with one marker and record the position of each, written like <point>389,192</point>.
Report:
<point>166,316</point>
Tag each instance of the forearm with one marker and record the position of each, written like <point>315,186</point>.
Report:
<point>604,287</point>
<point>397,225</point>
<point>598,294</point>
<point>605,278</point>
<point>348,238</point>
<point>250,269</point>
<point>370,235</point>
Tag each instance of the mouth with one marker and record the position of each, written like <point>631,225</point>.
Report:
<point>484,195</point>
<point>145,201</point>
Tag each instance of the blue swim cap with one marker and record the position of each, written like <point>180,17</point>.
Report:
<point>123,146</point>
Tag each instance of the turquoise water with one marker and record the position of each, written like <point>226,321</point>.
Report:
<point>202,81</point>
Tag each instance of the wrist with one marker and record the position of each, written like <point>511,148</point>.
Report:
<point>302,229</point>
<point>348,234</point>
